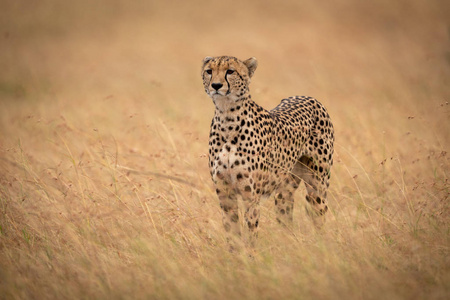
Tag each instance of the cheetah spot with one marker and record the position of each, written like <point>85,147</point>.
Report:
<point>234,218</point>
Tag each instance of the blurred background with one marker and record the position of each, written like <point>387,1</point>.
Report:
<point>90,87</point>
<point>338,51</point>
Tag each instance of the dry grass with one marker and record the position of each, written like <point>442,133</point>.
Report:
<point>89,91</point>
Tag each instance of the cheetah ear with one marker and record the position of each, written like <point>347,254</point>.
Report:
<point>206,60</point>
<point>251,64</point>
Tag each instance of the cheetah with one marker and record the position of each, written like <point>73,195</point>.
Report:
<point>255,153</point>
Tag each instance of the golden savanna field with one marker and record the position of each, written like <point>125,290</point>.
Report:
<point>105,191</point>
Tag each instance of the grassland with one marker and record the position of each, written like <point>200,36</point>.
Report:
<point>104,186</point>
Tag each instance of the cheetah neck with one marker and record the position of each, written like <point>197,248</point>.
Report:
<point>228,108</point>
<point>230,122</point>
<point>230,113</point>
<point>229,104</point>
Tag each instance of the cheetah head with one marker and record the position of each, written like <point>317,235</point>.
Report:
<point>227,77</point>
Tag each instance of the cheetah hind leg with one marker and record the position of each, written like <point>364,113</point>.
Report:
<point>316,187</point>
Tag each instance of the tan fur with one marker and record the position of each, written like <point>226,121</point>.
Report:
<point>255,153</point>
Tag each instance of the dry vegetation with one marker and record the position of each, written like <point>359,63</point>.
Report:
<point>90,91</point>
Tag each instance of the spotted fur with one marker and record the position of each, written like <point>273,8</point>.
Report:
<point>256,153</point>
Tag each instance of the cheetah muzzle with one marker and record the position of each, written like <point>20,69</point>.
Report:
<point>255,153</point>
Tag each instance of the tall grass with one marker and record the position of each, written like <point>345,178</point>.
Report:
<point>104,186</point>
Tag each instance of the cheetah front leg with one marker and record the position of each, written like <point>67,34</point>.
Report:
<point>251,199</point>
<point>230,212</point>
<point>252,214</point>
<point>284,199</point>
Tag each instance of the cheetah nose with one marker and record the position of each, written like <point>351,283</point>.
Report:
<point>217,86</point>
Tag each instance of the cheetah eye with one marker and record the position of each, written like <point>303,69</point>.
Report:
<point>229,72</point>
<point>209,71</point>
